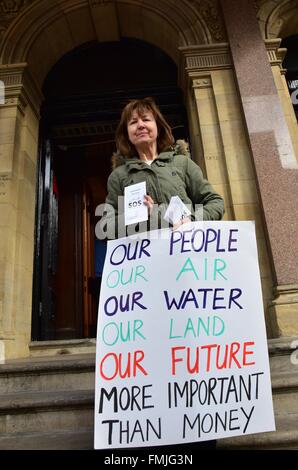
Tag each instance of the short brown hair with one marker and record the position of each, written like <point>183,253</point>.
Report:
<point>164,138</point>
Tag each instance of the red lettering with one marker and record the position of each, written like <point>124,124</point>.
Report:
<point>193,360</point>
<point>234,350</point>
<point>246,353</point>
<point>174,359</point>
<point>136,363</point>
<point>195,368</point>
<point>126,372</point>
<point>208,347</point>
<point>114,356</point>
<point>223,365</point>
<point>113,365</point>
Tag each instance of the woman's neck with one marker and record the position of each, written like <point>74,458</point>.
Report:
<point>147,151</point>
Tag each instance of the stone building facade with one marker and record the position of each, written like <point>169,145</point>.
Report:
<point>242,129</point>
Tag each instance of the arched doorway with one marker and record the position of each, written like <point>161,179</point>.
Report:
<point>84,94</point>
<point>290,63</point>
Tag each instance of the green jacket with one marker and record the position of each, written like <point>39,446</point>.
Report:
<point>171,173</point>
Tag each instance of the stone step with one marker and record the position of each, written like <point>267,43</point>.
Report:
<point>30,412</point>
<point>62,347</point>
<point>67,440</point>
<point>65,372</point>
<point>282,440</point>
<point>285,436</point>
<point>48,403</point>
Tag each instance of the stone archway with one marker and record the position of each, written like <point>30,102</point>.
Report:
<point>61,27</point>
<point>192,34</point>
<point>37,34</point>
<point>278,19</point>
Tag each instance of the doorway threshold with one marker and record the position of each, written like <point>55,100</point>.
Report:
<point>61,347</point>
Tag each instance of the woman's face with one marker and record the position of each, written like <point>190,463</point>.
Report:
<point>142,129</point>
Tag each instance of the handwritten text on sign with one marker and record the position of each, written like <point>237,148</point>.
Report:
<point>181,344</point>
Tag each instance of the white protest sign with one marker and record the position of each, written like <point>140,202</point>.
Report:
<point>134,208</point>
<point>181,342</point>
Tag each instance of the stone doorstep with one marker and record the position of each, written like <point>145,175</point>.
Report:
<point>62,347</point>
<point>49,362</point>
<point>28,405</point>
<point>67,440</point>
<point>16,403</point>
<point>262,441</point>
<point>285,381</point>
<point>48,374</point>
<point>46,381</point>
<point>46,411</point>
<point>282,346</point>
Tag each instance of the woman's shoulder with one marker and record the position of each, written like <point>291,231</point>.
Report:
<point>117,160</point>
<point>180,154</point>
<point>118,168</point>
<point>181,147</point>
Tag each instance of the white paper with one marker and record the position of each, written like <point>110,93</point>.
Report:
<point>176,211</point>
<point>134,208</point>
<point>181,351</point>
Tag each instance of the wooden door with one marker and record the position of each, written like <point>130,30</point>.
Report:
<point>46,244</point>
<point>57,293</point>
<point>88,261</point>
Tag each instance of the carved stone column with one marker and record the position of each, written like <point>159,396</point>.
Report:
<point>276,56</point>
<point>219,141</point>
<point>263,104</point>
<point>18,155</point>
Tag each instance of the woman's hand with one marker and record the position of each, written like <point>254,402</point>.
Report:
<point>148,201</point>
<point>185,220</point>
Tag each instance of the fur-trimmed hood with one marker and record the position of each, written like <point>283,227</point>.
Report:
<point>179,148</point>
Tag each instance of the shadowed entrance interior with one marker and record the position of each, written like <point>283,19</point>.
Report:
<point>84,94</point>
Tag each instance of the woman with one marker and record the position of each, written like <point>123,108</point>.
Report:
<point>146,152</point>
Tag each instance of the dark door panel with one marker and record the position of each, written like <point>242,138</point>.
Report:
<point>57,306</point>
